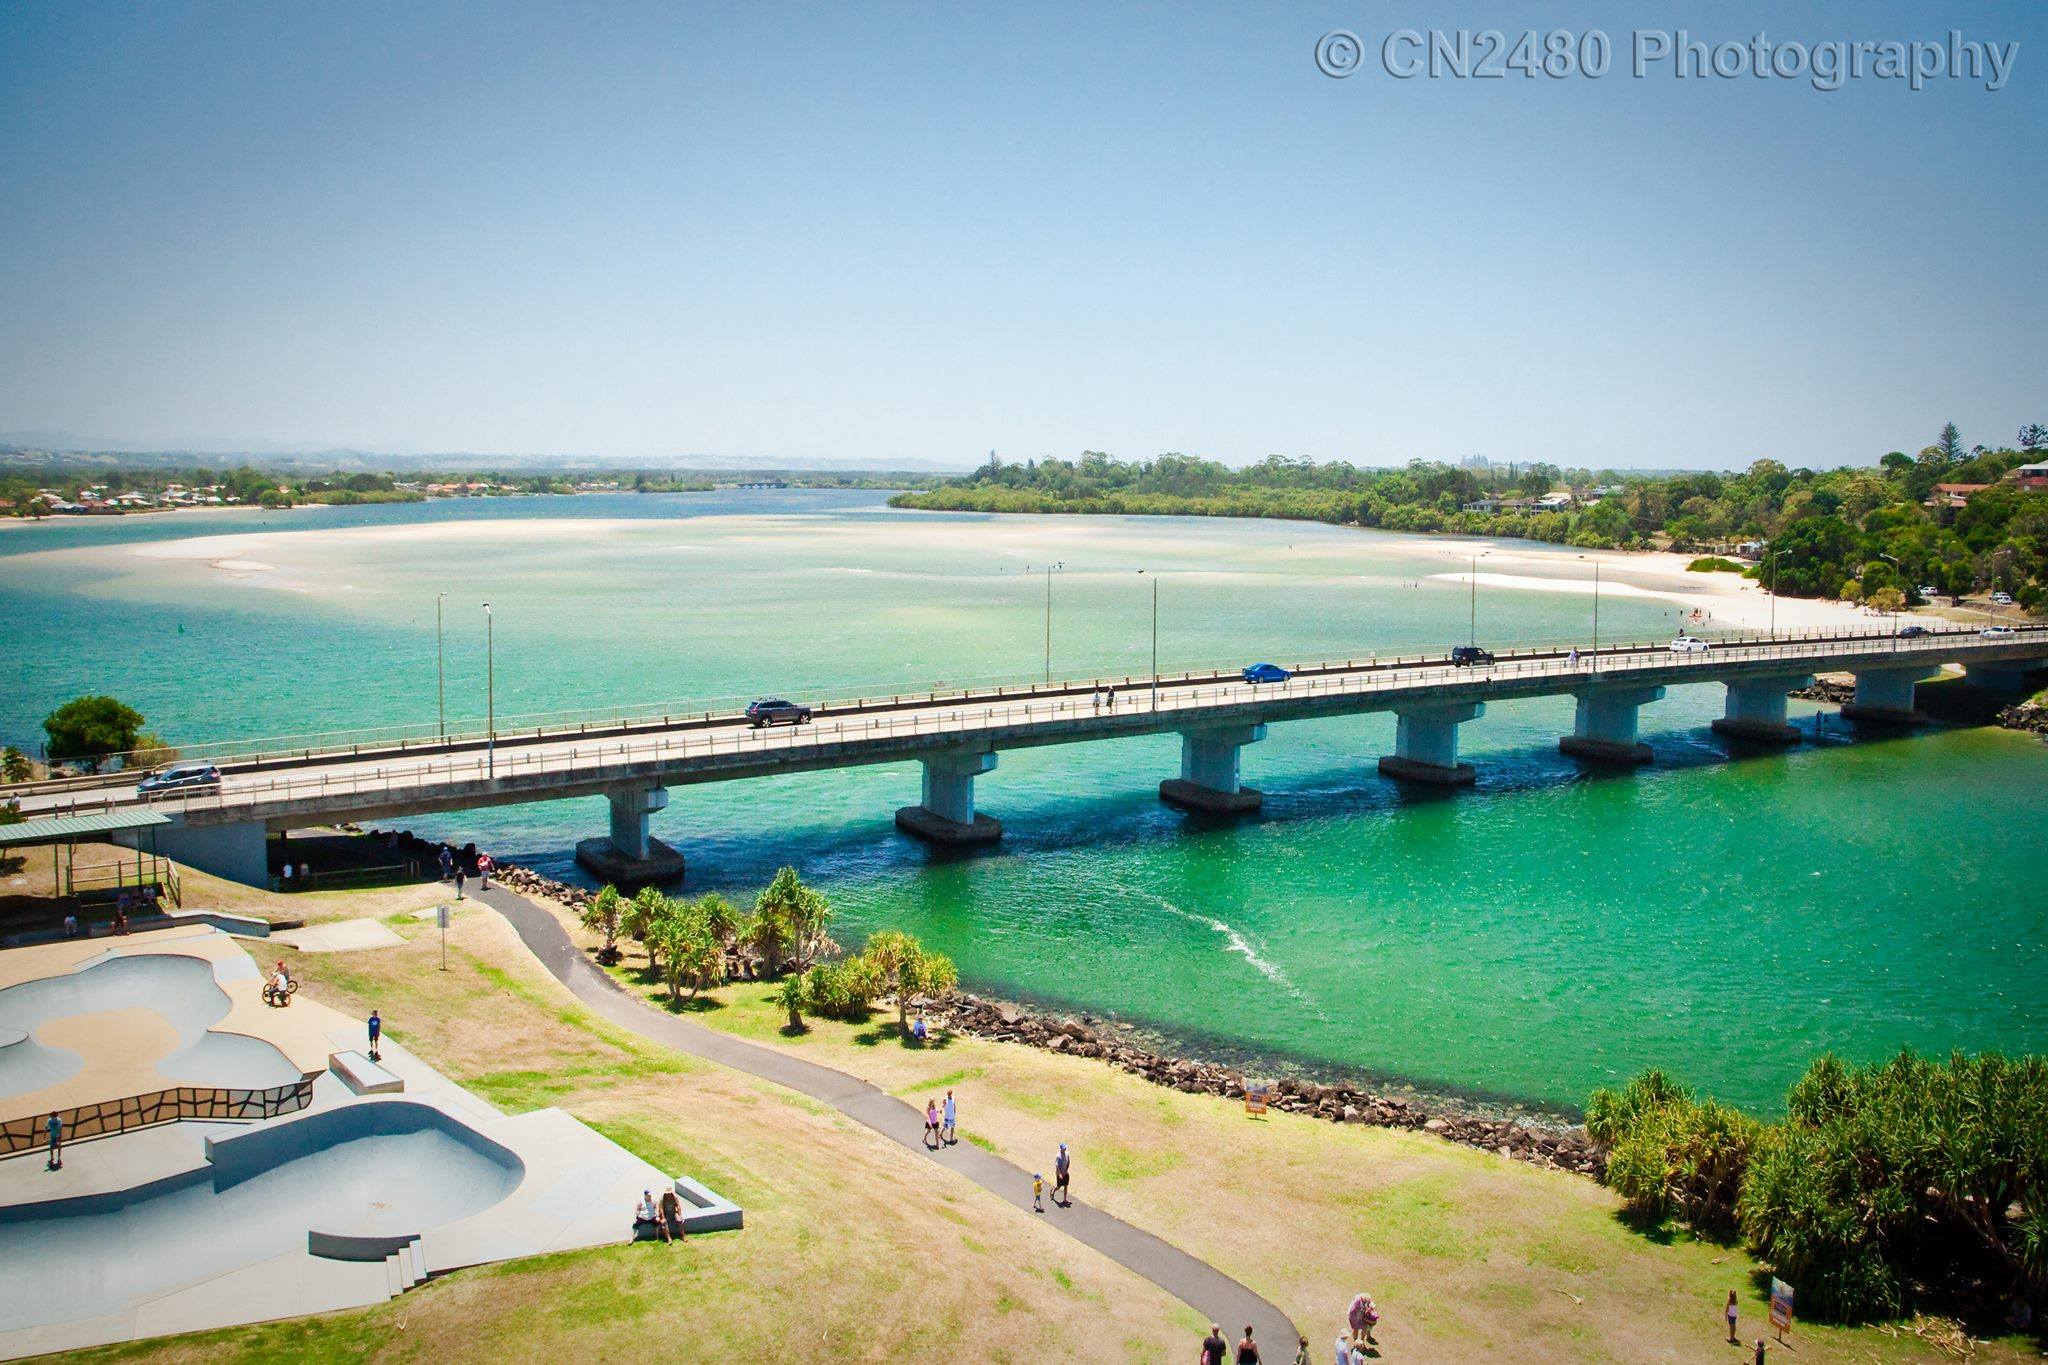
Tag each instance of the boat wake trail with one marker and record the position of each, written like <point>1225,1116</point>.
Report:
<point>1234,941</point>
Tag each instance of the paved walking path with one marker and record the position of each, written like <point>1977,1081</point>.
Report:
<point>1214,1295</point>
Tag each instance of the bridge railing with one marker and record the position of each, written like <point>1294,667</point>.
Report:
<point>968,719</point>
<point>398,741</point>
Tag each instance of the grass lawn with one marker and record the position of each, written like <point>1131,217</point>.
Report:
<point>1470,1256</point>
<point>853,1249</point>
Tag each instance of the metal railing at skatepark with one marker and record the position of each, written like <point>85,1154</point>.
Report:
<point>966,718</point>
<point>29,1134</point>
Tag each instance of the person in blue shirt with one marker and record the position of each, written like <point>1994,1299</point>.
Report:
<point>376,1032</point>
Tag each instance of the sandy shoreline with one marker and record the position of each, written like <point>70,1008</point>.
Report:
<point>1724,601</point>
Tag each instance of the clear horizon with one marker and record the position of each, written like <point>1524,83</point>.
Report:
<point>820,238</point>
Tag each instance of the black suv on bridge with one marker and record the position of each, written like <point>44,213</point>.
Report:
<point>776,711</point>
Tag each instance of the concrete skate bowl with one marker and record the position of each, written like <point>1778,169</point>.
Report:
<point>341,1184</point>
<point>128,1041</point>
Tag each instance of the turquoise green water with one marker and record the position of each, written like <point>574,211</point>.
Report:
<point>1540,935</point>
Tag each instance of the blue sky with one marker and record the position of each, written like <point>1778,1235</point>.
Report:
<point>808,232</point>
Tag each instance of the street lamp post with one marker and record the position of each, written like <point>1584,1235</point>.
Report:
<point>1048,620</point>
<point>1596,616</point>
<point>490,693</point>
<point>440,670</point>
<point>1771,587</point>
<point>1473,637</point>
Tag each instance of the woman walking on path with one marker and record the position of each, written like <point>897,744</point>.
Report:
<point>950,1134</point>
<point>1062,1168</point>
<point>931,1125</point>
<point>1247,1350</point>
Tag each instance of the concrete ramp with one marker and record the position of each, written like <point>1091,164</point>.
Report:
<point>364,1076</point>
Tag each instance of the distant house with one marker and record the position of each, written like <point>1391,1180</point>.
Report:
<point>1554,502</point>
<point>1947,497</point>
<point>1488,506</point>
<point>2030,478</point>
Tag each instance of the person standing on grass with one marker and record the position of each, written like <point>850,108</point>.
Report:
<point>1343,1349</point>
<point>950,1134</point>
<point>1732,1338</point>
<point>1214,1347</point>
<point>56,1129</point>
<point>1760,1349</point>
<point>376,1033</point>
<point>1062,1168</point>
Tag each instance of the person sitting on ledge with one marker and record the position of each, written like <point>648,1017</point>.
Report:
<point>648,1211</point>
<point>671,1217</point>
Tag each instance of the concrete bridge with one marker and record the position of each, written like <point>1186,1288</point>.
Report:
<point>957,737</point>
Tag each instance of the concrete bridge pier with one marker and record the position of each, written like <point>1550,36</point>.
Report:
<point>1426,745</point>
<point>1756,709</point>
<point>630,855</point>
<point>947,814</point>
<point>1884,696</point>
<point>1604,729</point>
<point>239,852</point>
<point>1208,778</point>
<point>2012,675</point>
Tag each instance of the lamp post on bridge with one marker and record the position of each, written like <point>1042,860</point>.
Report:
<point>1048,618</point>
<point>1596,616</point>
<point>440,671</point>
<point>1155,635</point>
<point>490,694</point>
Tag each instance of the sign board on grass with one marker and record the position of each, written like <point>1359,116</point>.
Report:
<point>1257,1095</point>
<point>1781,1305</point>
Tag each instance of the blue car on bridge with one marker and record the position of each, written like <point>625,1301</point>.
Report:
<point>1264,673</point>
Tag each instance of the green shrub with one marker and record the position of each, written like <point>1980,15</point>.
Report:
<point>1713,564</point>
<point>1888,1183</point>
<point>1671,1155</point>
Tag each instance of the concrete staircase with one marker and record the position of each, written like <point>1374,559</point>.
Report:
<point>403,1268</point>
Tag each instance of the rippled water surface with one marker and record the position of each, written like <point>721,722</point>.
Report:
<point>1533,938</point>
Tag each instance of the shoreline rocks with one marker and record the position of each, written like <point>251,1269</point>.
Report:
<point>1556,1148</point>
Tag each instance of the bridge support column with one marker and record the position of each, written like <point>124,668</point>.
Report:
<point>629,855</point>
<point>2009,675</point>
<point>1884,696</point>
<point>1756,710</point>
<point>1604,729</point>
<point>1426,745</point>
<point>947,814</point>
<point>1208,778</point>
<point>238,852</point>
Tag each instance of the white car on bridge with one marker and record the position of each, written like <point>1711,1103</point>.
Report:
<point>1689,644</point>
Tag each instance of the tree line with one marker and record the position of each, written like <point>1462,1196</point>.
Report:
<point>1851,531</point>
<point>690,944</point>
<point>1905,1185</point>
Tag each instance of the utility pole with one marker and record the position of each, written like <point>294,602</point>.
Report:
<point>1771,590</point>
<point>1596,616</point>
<point>1155,642</point>
<point>490,694</point>
<point>440,670</point>
<point>1048,625</point>
<point>1473,638</point>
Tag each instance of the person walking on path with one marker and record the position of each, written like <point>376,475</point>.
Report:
<point>458,881</point>
<point>950,1133</point>
<point>931,1126</point>
<point>1247,1350</point>
<point>1214,1347</point>
<point>1037,1192</point>
<point>56,1128</point>
<point>376,1033</point>
<point>483,870</point>
<point>447,861</point>
<point>1732,1338</point>
<point>1301,1356</point>
<point>1062,1168</point>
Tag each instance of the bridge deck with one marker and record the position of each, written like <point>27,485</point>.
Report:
<point>311,789</point>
